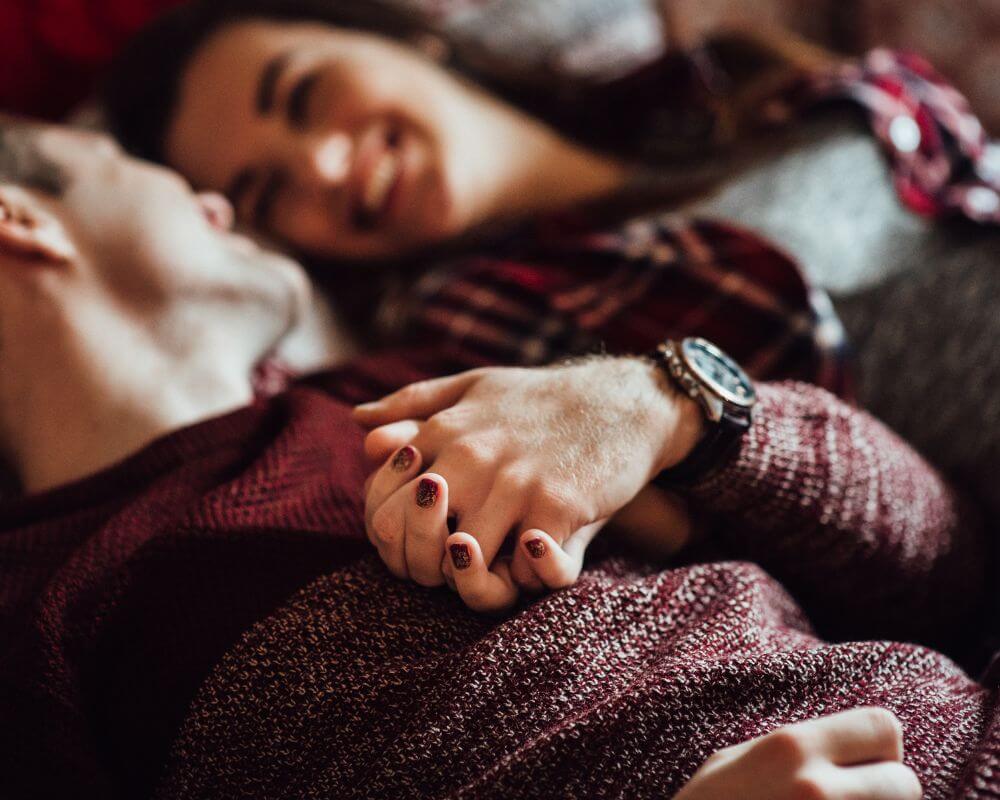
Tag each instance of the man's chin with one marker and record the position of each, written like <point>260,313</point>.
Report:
<point>299,286</point>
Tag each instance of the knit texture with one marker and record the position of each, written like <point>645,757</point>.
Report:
<point>621,686</point>
<point>121,591</point>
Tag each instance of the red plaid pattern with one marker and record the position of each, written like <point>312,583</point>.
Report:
<point>942,160</point>
<point>563,292</point>
<point>557,290</point>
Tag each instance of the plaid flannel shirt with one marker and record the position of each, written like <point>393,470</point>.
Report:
<point>557,290</point>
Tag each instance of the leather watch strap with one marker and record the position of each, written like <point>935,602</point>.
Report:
<point>709,454</point>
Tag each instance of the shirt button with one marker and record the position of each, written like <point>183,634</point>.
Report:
<point>983,202</point>
<point>989,167</point>
<point>905,134</point>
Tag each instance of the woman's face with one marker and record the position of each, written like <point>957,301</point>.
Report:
<point>343,144</point>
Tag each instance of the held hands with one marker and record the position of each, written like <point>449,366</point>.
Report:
<point>855,755</point>
<point>547,454</point>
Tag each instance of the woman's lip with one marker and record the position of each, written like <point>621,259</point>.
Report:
<point>370,161</point>
<point>393,198</point>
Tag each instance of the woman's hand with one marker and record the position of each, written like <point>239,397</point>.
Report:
<point>855,755</point>
<point>550,454</point>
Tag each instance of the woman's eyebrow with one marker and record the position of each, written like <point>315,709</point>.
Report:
<point>269,81</point>
<point>297,109</point>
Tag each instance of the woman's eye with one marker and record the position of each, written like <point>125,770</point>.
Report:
<point>298,100</point>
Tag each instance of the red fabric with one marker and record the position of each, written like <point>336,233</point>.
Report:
<point>943,162</point>
<point>118,596</point>
<point>51,51</point>
<point>361,686</point>
<point>560,289</point>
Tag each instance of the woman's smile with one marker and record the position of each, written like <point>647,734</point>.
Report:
<point>382,171</point>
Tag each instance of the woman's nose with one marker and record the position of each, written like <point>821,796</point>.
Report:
<point>326,161</point>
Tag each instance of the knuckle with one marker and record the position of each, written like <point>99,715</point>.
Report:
<point>472,453</point>
<point>412,392</point>
<point>885,725</point>
<point>484,601</point>
<point>553,500</point>
<point>490,375</point>
<point>517,481</point>
<point>784,747</point>
<point>384,526</point>
<point>442,425</point>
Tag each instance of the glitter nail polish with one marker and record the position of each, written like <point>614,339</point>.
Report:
<point>427,493</point>
<point>404,458</point>
<point>536,547</point>
<point>460,556</point>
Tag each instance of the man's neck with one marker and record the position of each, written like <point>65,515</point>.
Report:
<point>100,387</point>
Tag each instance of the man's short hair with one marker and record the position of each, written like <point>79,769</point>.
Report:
<point>23,163</point>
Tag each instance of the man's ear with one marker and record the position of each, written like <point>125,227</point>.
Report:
<point>29,232</point>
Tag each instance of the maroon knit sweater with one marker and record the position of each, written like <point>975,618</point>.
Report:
<point>120,594</point>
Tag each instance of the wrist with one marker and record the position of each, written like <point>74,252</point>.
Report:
<point>690,428</point>
<point>682,421</point>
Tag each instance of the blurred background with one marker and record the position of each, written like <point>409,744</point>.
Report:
<point>52,51</point>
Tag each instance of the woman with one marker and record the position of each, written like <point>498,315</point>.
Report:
<point>274,111</point>
<point>371,224</point>
<point>348,163</point>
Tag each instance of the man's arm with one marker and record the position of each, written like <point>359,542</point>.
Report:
<point>854,754</point>
<point>871,539</point>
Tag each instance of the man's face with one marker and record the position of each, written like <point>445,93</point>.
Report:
<point>144,240</point>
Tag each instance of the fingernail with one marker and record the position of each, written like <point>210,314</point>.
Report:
<point>404,459</point>
<point>427,493</point>
<point>536,547</point>
<point>460,556</point>
<point>365,407</point>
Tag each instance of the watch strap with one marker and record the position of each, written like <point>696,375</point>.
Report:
<point>718,442</point>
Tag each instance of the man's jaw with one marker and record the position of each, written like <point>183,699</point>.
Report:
<point>318,340</point>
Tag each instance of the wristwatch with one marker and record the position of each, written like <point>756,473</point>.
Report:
<point>723,391</point>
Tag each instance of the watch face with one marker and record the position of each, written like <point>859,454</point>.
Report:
<point>722,375</point>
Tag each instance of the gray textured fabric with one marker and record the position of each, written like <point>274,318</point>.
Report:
<point>920,300</point>
<point>822,193</point>
<point>928,346</point>
<point>570,37</point>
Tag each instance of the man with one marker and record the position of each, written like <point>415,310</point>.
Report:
<point>167,510</point>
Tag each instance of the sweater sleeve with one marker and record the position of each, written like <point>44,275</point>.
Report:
<point>871,540</point>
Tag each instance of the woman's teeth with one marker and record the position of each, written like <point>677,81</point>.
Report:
<point>381,182</point>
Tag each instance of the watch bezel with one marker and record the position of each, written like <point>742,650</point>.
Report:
<point>710,383</point>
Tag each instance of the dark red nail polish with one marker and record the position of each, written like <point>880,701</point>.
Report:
<point>404,458</point>
<point>536,547</point>
<point>460,556</point>
<point>427,493</point>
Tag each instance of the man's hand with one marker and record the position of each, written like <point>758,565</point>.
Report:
<point>855,755</point>
<point>550,454</point>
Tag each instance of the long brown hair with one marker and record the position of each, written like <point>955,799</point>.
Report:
<point>716,83</point>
